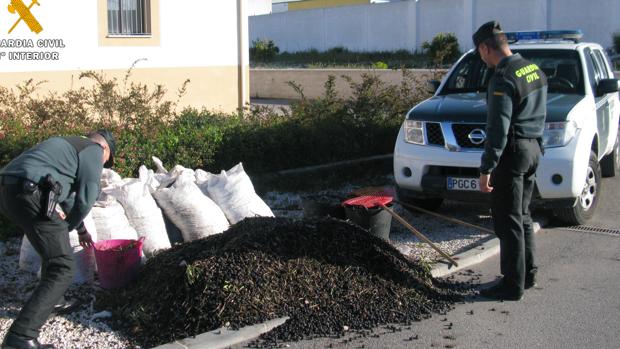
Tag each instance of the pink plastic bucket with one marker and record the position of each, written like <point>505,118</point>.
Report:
<point>118,261</point>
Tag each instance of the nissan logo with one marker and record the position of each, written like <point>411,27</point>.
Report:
<point>477,136</point>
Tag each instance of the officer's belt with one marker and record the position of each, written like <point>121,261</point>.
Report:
<point>512,135</point>
<point>11,180</point>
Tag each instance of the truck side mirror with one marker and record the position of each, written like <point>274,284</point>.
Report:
<point>432,85</point>
<point>606,86</point>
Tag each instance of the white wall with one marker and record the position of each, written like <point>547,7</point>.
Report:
<point>204,36</point>
<point>275,8</point>
<point>259,7</point>
<point>407,24</point>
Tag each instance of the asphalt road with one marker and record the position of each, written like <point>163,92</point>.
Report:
<point>576,304</point>
<point>608,212</point>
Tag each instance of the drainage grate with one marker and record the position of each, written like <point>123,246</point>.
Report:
<point>596,230</point>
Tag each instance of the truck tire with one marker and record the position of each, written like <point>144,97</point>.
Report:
<point>588,200</point>
<point>611,161</point>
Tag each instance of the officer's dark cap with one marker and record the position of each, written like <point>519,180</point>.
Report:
<point>486,31</point>
<point>109,138</point>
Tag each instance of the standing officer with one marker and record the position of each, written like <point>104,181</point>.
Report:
<point>516,101</point>
<point>30,187</point>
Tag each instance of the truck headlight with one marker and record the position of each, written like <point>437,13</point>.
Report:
<point>559,134</point>
<point>414,132</point>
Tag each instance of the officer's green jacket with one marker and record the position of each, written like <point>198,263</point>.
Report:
<point>77,170</point>
<point>516,102</point>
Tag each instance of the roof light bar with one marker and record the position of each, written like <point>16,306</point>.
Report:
<point>545,35</point>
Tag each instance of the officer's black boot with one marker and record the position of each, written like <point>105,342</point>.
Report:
<point>15,341</point>
<point>502,291</point>
<point>530,281</point>
<point>65,306</point>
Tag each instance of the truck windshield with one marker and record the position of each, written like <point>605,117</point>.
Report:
<point>562,67</point>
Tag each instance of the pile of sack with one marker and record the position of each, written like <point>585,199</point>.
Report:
<point>164,207</point>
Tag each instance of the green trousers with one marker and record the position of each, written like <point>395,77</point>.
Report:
<point>20,201</point>
<point>513,183</point>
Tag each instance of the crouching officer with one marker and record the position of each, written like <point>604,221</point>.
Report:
<point>30,187</point>
<point>516,101</point>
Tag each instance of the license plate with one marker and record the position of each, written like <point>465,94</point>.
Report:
<point>460,183</point>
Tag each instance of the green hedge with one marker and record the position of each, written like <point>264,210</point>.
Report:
<point>340,57</point>
<point>313,132</point>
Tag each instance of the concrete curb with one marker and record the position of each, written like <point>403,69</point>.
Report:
<point>476,254</point>
<point>223,338</point>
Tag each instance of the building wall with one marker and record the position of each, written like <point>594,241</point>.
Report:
<point>407,24</point>
<point>277,8</point>
<point>312,4</point>
<point>273,83</point>
<point>196,40</point>
<point>259,7</point>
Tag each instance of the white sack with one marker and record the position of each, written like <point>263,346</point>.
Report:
<point>143,214</point>
<point>148,177</point>
<point>161,175</point>
<point>190,210</point>
<point>30,261</point>
<point>166,178</point>
<point>234,193</point>
<point>110,178</point>
<point>110,219</point>
<point>159,165</point>
<point>201,180</point>
<point>84,258</point>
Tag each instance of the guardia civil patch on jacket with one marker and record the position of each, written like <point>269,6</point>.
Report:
<point>526,76</point>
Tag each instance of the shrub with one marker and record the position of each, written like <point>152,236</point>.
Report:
<point>321,130</point>
<point>263,50</point>
<point>380,65</point>
<point>344,58</point>
<point>338,50</point>
<point>444,48</point>
<point>325,129</point>
<point>616,39</point>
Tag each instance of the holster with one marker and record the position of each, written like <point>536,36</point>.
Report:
<point>512,143</point>
<point>50,192</point>
<point>542,147</point>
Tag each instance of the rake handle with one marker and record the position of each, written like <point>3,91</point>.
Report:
<point>449,219</point>
<point>376,190</point>
<point>418,234</point>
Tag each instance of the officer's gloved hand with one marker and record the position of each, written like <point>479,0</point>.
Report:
<point>85,239</point>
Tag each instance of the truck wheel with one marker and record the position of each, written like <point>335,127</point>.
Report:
<point>588,200</point>
<point>611,161</point>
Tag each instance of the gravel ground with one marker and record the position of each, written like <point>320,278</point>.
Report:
<point>82,329</point>
<point>450,237</point>
<point>86,328</point>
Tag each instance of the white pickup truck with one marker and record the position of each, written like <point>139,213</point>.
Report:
<point>437,153</point>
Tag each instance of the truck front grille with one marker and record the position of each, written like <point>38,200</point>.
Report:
<point>461,133</point>
<point>434,134</point>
